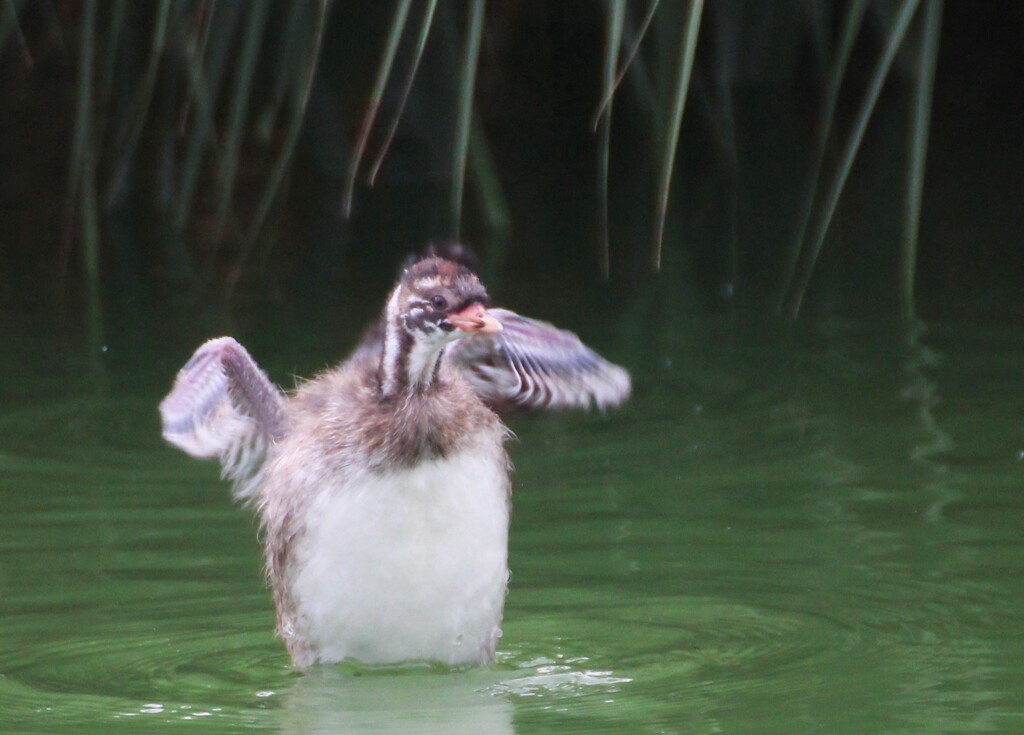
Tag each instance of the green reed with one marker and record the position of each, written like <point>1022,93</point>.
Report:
<point>664,51</point>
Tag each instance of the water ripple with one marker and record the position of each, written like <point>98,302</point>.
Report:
<point>116,671</point>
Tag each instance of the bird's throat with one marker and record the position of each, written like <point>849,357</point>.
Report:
<point>408,364</point>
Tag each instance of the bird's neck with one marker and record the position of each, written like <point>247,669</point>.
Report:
<point>408,364</point>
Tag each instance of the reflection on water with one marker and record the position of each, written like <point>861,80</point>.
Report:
<point>789,530</point>
<point>422,702</point>
<point>922,392</point>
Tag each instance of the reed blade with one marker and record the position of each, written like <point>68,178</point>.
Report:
<point>421,42</point>
<point>205,67</point>
<point>493,202</point>
<point>127,138</point>
<point>291,139</point>
<point>289,59</point>
<point>920,118</point>
<point>723,76</point>
<point>609,91</point>
<point>387,60</point>
<point>9,24</point>
<point>82,184</point>
<point>892,43</point>
<point>105,83</point>
<point>227,173</point>
<point>851,25</point>
<point>688,46</point>
<point>614,23</point>
<point>464,116</point>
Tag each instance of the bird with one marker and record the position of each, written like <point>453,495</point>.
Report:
<point>382,485</point>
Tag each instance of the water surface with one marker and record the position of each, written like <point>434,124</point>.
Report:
<point>811,529</point>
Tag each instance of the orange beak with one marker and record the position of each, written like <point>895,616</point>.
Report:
<point>474,318</point>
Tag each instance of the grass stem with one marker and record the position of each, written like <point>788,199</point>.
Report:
<point>851,26</point>
<point>387,60</point>
<point>614,24</point>
<point>464,116</point>
<point>421,42</point>
<point>893,41</point>
<point>291,139</point>
<point>920,116</point>
<point>688,45</point>
<point>227,174</point>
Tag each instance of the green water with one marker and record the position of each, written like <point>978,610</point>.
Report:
<point>789,530</point>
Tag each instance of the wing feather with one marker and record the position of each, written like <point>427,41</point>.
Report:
<point>222,405</point>
<point>534,365</point>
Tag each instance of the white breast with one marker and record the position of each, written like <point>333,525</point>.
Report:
<point>408,565</point>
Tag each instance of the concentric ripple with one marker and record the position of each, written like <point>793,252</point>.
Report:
<point>754,545</point>
<point>104,672</point>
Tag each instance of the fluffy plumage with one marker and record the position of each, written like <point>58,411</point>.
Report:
<point>382,485</point>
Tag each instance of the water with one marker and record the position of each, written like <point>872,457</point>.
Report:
<point>802,530</point>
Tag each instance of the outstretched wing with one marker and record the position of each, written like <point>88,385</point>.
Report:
<point>222,405</point>
<point>531,365</point>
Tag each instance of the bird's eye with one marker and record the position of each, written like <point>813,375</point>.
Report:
<point>439,302</point>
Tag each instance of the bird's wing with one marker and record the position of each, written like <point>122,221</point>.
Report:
<point>533,365</point>
<point>222,405</point>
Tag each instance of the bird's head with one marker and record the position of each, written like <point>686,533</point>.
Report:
<point>439,301</point>
<point>435,303</point>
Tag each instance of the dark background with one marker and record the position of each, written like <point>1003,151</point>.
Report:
<point>742,165</point>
